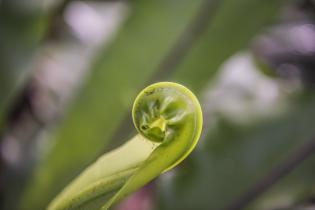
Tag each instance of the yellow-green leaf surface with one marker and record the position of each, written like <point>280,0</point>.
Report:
<point>168,118</point>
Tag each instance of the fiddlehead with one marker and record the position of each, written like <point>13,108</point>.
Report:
<point>167,111</point>
<point>166,114</point>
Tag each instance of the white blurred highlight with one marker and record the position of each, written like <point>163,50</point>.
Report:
<point>242,93</point>
<point>303,37</point>
<point>11,151</point>
<point>93,22</point>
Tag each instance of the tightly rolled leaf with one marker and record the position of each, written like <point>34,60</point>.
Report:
<point>168,118</point>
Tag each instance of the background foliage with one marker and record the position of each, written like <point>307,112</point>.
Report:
<point>69,72</point>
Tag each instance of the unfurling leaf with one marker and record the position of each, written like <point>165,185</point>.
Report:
<point>168,118</point>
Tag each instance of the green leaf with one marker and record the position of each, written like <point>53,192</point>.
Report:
<point>169,118</point>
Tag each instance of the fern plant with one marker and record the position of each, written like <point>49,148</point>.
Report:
<point>168,118</point>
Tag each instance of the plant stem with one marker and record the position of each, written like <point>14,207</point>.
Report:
<point>275,175</point>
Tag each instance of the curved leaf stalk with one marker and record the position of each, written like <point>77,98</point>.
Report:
<point>168,118</point>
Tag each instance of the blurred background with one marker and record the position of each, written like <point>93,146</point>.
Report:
<point>70,70</point>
